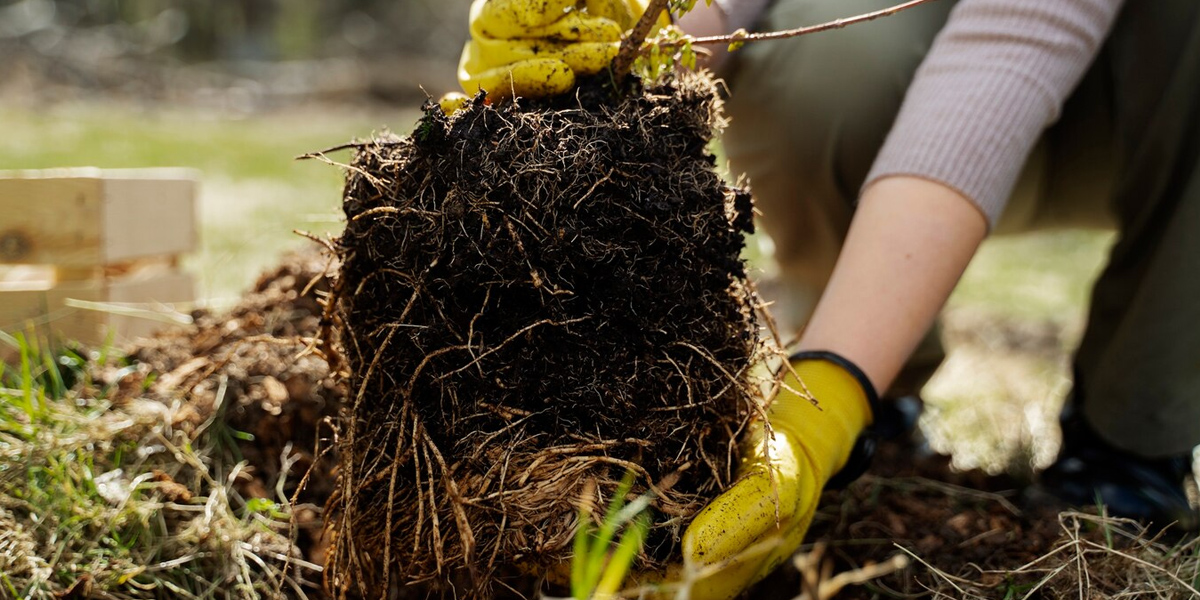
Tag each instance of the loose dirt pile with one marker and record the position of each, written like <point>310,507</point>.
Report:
<point>254,368</point>
<point>976,536</point>
<point>533,300</point>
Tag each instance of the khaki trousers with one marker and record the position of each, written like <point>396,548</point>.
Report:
<point>809,114</point>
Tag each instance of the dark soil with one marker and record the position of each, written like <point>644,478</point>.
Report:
<point>968,525</point>
<point>532,300</point>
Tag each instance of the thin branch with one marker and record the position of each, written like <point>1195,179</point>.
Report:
<point>741,36</point>
<point>631,45</point>
<point>320,153</point>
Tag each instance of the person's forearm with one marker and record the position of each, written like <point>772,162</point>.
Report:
<point>910,241</point>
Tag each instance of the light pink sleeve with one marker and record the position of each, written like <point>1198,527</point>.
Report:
<point>996,77</point>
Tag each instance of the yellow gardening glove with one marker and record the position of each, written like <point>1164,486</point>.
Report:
<point>760,521</point>
<point>535,48</point>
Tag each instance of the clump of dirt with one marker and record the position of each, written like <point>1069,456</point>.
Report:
<point>255,367</point>
<point>534,299</point>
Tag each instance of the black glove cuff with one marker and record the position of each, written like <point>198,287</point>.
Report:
<point>864,447</point>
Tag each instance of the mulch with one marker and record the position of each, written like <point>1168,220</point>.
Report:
<point>256,364</point>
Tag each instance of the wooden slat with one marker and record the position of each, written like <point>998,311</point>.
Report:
<point>46,314</point>
<point>169,288</point>
<point>87,217</point>
<point>148,217</point>
<point>50,221</point>
<point>56,312</point>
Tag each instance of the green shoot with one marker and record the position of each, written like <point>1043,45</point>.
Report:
<point>598,569</point>
<point>622,558</point>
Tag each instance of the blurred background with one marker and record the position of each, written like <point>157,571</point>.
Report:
<point>234,88</point>
<point>242,55</point>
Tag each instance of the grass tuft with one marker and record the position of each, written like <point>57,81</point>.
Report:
<point>1131,561</point>
<point>108,497</point>
<point>598,568</point>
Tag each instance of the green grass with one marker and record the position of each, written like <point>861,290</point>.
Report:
<point>105,490</point>
<point>598,568</point>
<point>253,191</point>
<point>1046,275</point>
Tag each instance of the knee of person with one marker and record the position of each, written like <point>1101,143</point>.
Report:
<point>829,98</point>
<point>819,137</point>
<point>861,70</point>
<point>825,86</point>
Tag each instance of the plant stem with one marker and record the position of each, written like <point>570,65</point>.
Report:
<point>631,46</point>
<point>789,33</point>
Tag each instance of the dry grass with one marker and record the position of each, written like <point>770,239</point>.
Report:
<point>1129,562</point>
<point>105,494</point>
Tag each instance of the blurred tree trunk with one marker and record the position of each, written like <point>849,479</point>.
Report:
<point>299,28</point>
<point>258,19</point>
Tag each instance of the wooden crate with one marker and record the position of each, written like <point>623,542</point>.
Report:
<point>86,253</point>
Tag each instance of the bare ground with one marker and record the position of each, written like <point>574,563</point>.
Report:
<point>919,524</point>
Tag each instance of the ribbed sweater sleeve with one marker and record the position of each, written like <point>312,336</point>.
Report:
<point>996,76</point>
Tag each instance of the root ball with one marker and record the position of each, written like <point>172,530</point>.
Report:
<point>534,299</point>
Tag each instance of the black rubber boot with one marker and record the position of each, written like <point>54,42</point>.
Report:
<point>897,418</point>
<point>1091,471</point>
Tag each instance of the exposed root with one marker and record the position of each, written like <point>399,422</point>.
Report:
<point>532,301</point>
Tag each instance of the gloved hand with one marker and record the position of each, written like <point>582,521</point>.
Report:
<point>760,521</point>
<point>535,48</point>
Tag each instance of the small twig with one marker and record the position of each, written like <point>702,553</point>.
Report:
<point>814,568</point>
<point>320,154</point>
<point>944,576</point>
<point>632,44</point>
<point>1172,576</point>
<point>742,37</point>
<point>948,489</point>
<point>324,243</point>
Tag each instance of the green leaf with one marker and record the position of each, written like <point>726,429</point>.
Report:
<point>579,563</point>
<point>687,57</point>
<point>738,40</point>
<point>608,530</point>
<point>622,559</point>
